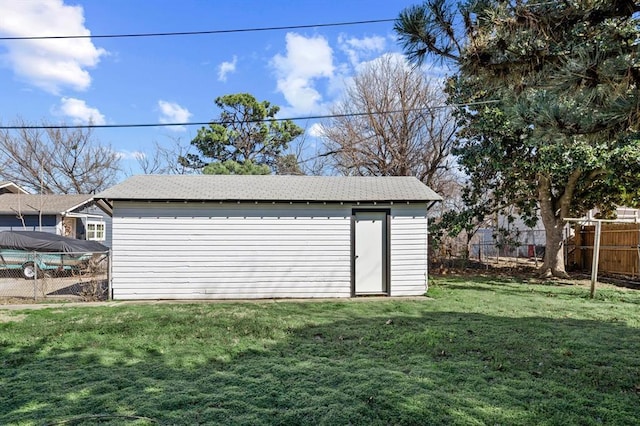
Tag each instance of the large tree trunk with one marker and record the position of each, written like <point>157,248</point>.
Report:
<point>553,210</point>
<point>554,254</point>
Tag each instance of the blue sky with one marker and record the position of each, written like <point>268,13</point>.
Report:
<point>176,79</point>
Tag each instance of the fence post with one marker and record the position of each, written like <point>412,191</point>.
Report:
<point>109,275</point>
<point>637,247</point>
<point>535,248</point>
<point>577,252</point>
<point>596,258</point>
<point>565,244</point>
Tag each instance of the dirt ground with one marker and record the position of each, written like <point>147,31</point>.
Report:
<point>17,290</point>
<point>526,270</point>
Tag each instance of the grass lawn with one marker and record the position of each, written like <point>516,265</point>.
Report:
<point>483,351</point>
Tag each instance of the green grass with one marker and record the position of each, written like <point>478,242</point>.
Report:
<point>483,351</point>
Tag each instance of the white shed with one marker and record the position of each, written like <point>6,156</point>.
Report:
<point>220,237</point>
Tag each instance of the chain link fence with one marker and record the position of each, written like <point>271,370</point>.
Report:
<point>488,245</point>
<point>529,244</point>
<point>27,276</point>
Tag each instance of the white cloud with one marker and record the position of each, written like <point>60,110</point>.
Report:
<point>316,130</point>
<point>79,112</point>
<point>360,49</point>
<point>131,155</point>
<point>48,64</point>
<point>373,44</point>
<point>226,68</point>
<point>437,74</point>
<point>394,58</point>
<point>307,59</point>
<point>171,112</point>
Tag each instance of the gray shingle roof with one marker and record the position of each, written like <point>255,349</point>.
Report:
<point>33,203</point>
<point>269,188</point>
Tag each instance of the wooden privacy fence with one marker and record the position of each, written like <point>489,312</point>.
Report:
<point>619,248</point>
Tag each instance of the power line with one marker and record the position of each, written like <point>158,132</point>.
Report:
<point>188,33</point>
<point>223,123</point>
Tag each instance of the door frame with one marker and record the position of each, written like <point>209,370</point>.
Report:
<point>386,258</point>
<point>69,223</point>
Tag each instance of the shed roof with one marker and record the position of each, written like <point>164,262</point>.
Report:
<point>45,203</point>
<point>270,188</point>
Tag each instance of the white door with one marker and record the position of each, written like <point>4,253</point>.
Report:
<point>69,227</point>
<point>370,252</point>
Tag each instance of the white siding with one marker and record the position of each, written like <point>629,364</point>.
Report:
<point>408,251</point>
<point>198,251</point>
<point>216,251</point>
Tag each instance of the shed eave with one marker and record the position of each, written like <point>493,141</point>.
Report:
<point>110,201</point>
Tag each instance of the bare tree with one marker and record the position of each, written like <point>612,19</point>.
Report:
<point>166,159</point>
<point>54,160</point>
<point>305,156</point>
<point>403,129</point>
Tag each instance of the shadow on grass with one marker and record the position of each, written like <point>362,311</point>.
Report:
<point>433,368</point>
<point>632,284</point>
<point>502,280</point>
<point>515,287</point>
<point>503,287</point>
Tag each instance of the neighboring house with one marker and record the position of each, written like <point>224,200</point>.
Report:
<point>7,187</point>
<point>508,237</point>
<point>622,213</point>
<point>528,239</point>
<point>216,237</point>
<point>71,215</point>
<point>628,213</point>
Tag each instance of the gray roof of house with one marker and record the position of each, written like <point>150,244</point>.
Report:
<point>269,188</point>
<point>47,203</point>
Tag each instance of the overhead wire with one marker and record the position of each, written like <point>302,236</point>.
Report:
<point>229,122</point>
<point>190,33</point>
<point>225,31</point>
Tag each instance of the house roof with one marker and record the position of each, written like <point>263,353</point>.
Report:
<point>269,188</point>
<point>8,186</point>
<point>45,203</point>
